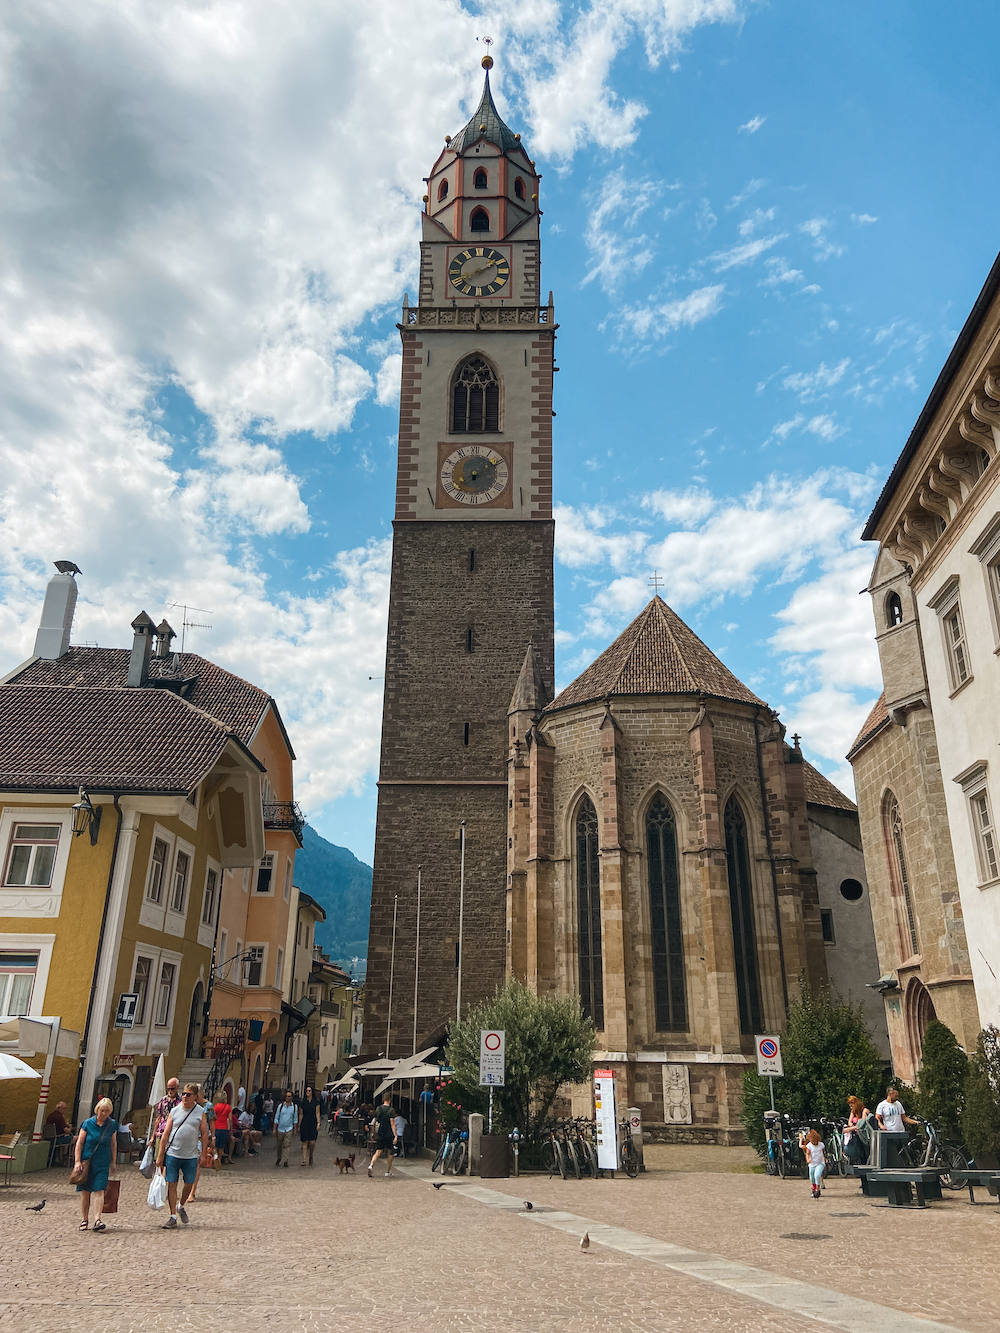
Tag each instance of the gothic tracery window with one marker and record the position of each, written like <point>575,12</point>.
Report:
<point>741,907</point>
<point>588,897</point>
<point>897,859</point>
<point>665,919</point>
<point>476,397</point>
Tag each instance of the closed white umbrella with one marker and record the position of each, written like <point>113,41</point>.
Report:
<point>12,1067</point>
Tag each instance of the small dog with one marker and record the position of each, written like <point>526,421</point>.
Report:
<point>345,1164</point>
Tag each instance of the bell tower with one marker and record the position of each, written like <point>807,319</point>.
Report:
<point>471,583</point>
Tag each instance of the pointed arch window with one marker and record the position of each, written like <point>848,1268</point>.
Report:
<point>893,610</point>
<point>481,179</point>
<point>442,191</point>
<point>588,898</point>
<point>475,397</point>
<point>519,188</point>
<point>480,220</point>
<point>669,991</point>
<point>741,907</point>
<point>899,873</point>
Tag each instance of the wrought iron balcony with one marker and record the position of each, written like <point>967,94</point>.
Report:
<point>284,815</point>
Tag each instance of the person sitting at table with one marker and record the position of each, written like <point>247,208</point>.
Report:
<point>64,1132</point>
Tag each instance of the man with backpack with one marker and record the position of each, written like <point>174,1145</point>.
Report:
<point>183,1142</point>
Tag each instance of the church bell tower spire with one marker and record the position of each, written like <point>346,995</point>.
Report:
<point>471,582</point>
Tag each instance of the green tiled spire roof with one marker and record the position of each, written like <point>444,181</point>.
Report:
<point>496,131</point>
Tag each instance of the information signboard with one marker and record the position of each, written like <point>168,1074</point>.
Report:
<point>127,1002</point>
<point>491,1058</point>
<point>607,1119</point>
<point>769,1057</point>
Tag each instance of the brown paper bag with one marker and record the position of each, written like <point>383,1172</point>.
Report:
<point>111,1193</point>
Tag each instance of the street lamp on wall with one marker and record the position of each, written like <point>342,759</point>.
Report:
<point>86,818</point>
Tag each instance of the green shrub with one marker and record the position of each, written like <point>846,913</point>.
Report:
<point>548,1043</point>
<point>981,1114</point>
<point>944,1068</point>
<point>827,1053</point>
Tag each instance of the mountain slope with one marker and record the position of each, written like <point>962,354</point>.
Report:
<point>342,885</point>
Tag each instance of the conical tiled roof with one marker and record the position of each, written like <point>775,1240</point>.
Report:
<point>657,654</point>
<point>530,694</point>
<point>495,130</point>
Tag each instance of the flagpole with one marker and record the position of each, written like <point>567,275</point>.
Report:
<point>461,921</point>
<point>416,964</point>
<point>392,968</point>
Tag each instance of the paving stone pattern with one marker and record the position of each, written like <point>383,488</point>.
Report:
<point>298,1249</point>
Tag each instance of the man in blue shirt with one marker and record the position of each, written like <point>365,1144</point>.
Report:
<point>286,1122</point>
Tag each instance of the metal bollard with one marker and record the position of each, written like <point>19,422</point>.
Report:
<point>635,1123</point>
<point>515,1138</point>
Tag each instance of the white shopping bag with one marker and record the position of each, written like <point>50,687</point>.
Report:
<point>148,1164</point>
<point>157,1195</point>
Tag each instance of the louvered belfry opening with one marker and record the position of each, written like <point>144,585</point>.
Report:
<point>588,894</point>
<point>741,906</point>
<point>476,398</point>
<point>665,918</point>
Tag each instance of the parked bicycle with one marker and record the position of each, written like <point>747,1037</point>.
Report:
<point>784,1157</point>
<point>629,1154</point>
<point>833,1140</point>
<point>452,1152</point>
<point>935,1153</point>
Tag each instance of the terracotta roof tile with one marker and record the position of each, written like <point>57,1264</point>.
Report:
<point>142,741</point>
<point>234,702</point>
<point>656,654</point>
<point>821,791</point>
<point>874,722</point>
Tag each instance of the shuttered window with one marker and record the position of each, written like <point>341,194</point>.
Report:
<point>476,398</point>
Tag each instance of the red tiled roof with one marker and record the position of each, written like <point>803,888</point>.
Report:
<point>874,722</point>
<point>234,702</point>
<point>656,654</point>
<point>141,741</point>
<point>821,791</point>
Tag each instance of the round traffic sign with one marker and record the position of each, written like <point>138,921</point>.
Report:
<point>492,1041</point>
<point>768,1048</point>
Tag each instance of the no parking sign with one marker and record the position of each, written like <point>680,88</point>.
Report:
<point>769,1057</point>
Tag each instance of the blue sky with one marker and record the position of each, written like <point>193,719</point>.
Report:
<point>764,226</point>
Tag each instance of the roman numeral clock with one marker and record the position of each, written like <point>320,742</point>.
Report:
<point>471,583</point>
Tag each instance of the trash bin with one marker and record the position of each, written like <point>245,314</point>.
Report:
<point>493,1164</point>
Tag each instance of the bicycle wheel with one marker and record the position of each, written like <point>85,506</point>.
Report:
<point>572,1160</point>
<point>548,1157</point>
<point>458,1159</point>
<point>954,1160</point>
<point>588,1158</point>
<point>630,1159</point>
<point>449,1153</point>
<point>560,1153</point>
<point>439,1155</point>
<point>780,1163</point>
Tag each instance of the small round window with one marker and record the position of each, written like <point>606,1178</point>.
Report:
<point>851,889</point>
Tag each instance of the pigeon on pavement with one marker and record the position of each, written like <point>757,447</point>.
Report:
<point>585,1243</point>
<point>438,1185</point>
<point>35,1207</point>
<point>528,1205</point>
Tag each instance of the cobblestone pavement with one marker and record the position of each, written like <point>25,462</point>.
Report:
<point>297,1249</point>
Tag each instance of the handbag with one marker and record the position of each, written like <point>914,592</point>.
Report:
<point>148,1164</point>
<point>111,1192</point>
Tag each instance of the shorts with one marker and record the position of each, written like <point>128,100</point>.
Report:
<point>384,1143</point>
<point>185,1167</point>
<point>222,1139</point>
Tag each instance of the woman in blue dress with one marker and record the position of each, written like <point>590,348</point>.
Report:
<point>97,1144</point>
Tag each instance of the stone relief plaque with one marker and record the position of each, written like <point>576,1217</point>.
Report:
<point>676,1095</point>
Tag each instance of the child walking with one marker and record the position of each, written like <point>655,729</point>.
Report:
<point>816,1157</point>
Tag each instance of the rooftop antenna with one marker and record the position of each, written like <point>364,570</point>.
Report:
<point>191,624</point>
<point>655,582</point>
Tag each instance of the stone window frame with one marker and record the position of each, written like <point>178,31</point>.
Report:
<point>659,790</point>
<point>453,380</point>
<point>986,549</point>
<point>42,945</point>
<point>947,605</point>
<point>892,603</point>
<point>596,1010</point>
<point>975,789</point>
<point>24,901</point>
<point>747,810</point>
<point>206,929</point>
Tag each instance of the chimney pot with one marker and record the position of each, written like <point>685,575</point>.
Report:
<point>52,637</point>
<point>142,644</point>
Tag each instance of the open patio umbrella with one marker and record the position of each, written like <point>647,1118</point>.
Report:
<point>12,1067</point>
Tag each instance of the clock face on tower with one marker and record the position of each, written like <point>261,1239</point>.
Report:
<point>479,271</point>
<point>474,474</point>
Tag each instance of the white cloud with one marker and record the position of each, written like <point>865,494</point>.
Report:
<point>825,427</point>
<point>750,189</point>
<point>743,254</point>
<point>784,428</point>
<point>823,247</point>
<point>387,380</point>
<point>614,252</point>
<point>865,219</point>
<point>810,385</point>
<point>779,272</point>
<point>685,507</point>
<point>752,126</point>
<point>755,219</point>
<point>657,319</point>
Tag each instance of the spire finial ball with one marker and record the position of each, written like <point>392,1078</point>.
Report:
<point>487,62</point>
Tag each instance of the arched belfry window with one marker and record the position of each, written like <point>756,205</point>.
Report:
<point>741,907</point>
<point>900,875</point>
<point>480,220</point>
<point>519,188</point>
<point>588,899</point>
<point>475,397</point>
<point>893,610</point>
<point>665,918</point>
<point>442,191</point>
<point>482,180</point>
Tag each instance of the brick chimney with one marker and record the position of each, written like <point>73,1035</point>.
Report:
<point>142,644</point>
<point>52,638</point>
